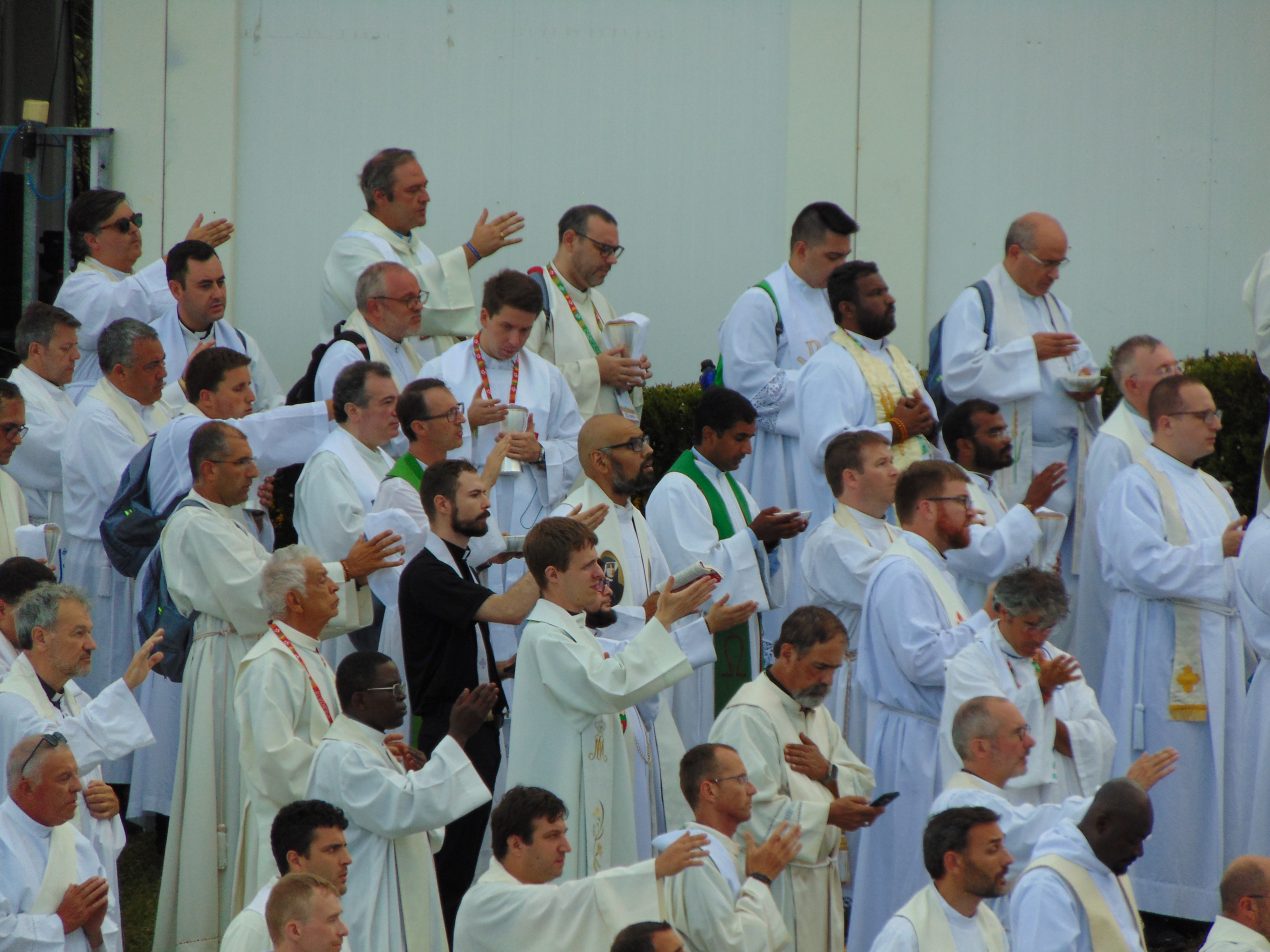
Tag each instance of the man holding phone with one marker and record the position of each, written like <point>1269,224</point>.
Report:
<point>802,771</point>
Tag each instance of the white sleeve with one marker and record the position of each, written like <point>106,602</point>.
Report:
<point>751,354</point>
<point>338,356</point>
<point>995,550</point>
<point>1005,372</point>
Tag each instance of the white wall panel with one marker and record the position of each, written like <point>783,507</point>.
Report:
<point>671,115</point>
<point>1141,126</point>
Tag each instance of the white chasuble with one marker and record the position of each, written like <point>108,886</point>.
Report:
<point>499,912</point>
<point>926,923</point>
<point>1150,577</point>
<point>759,721</point>
<point>990,667</point>
<point>680,518</point>
<point>392,901</point>
<point>402,358</point>
<point>566,735</point>
<point>37,462</point>
<point>1252,594</point>
<point>914,621</point>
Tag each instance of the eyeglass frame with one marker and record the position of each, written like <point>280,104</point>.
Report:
<point>241,461</point>
<point>1058,265</point>
<point>643,441</point>
<point>398,690</point>
<point>743,778</point>
<point>406,300</point>
<point>451,414</point>
<point>608,251</point>
<point>121,225</point>
<point>1160,373</point>
<point>10,430</point>
<point>1205,416</point>
<point>54,739</point>
<point>966,501</point>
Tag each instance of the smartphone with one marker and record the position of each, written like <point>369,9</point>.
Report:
<point>885,799</point>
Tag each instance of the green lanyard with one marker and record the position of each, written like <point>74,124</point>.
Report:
<point>574,309</point>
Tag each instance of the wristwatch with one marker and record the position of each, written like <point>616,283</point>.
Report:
<point>832,775</point>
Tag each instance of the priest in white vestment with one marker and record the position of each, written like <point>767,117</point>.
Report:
<point>859,380</point>
<point>13,512</point>
<point>1137,365</point>
<point>396,194</point>
<point>46,338</point>
<point>1243,925</point>
<point>397,812</point>
<point>116,418</point>
<point>45,857</point>
<point>1175,659</point>
<point>725,904</point>
<point>1252,596</point>
<point>105,237</point>
<point>967,856</point>
<point>566,732</point>
<point>213,566</point>
<point>1256,298</point>
<point>1075,895</point>
<point>700,512</point>
<point>39,694</point>
<point>914,621</point>
<point>284,699</point>
<point>338,484</point>
<point>197,319</point>
<point>803,772</point>
<point>498,373</point>
<point>769,334</point>
<point>1010,658</point>
<point>976,435</point>
<point>307,836</point>
<point>517,905</point>
<point>1027,358</point>
<point>617,460</point>
<point>603,373</point>
<point>841,552</point>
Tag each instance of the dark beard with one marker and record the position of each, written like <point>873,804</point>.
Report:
<point>988,462</point>
<point>473,529</point>
<point>640,485</point>
<point>601,618</point>
<point>877,328</point>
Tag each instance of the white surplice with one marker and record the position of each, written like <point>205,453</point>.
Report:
<point>284,706</point>
<point>499,912</point>
<point>213,566</point>
<point>559,340</point>
<point>13,513</point>
<point>1146,572</point>
<point>951,932</point>
<point>679,516</point>
<point>98,295</point>
<point>37,462</point>
<point>989,667</point>
<point>566,735</point>
<point>907,636</point>
<point>248,931</point>
<point>1022,823</point>
<point>1046,916</point>
<point>1256,298</point>
<point>107,430</point>
<point>759,721</point>
<point>1252,593</point>
<point>835,398</point>
<point>1227,935</point>
<point>519,501</point>
<point>98,730</point>
<point>715,906</point>
<point>8,654</point>
<point>395,821</point>
<point>179,343</point>
<point>1003,543</point>
<point>28,916</point>
<point>764,368</point>
<point>837,561</point>
<point>1121,441</point>
<point>451,307</point>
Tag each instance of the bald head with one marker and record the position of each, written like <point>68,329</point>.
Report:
<point>1244,884</point>
<point>605,448</point>
<point>1035,250</point>
<point>1117,823</point>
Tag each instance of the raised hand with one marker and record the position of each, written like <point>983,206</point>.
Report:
<point>491,234</point>
<point>371,555</point>
<point>775,853</point>
<point>214,233</point>
<point>688,850</point>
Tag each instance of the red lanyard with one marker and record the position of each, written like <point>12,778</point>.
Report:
<point>317,692</point>
<point>480,365</point>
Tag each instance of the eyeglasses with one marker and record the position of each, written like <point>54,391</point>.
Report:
<point>741,778</point>
<point>608,251</point>
<point>53,739</point>
<point>13,430</point>
<point>1168,370</point>
<point>635,444</point>
<point>1208,416</point>
<point>1021,732</point>
<point>406,300</point>
<point>454,414</point>
<point>398,690</point>
<point>124,225</point>
<point>1057,264</point>
<point>965,501</point>
<point>241,461</point>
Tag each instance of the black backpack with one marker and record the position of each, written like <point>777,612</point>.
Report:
<point>302,390</point>
<point>130,529</point>
<point>159,611</point>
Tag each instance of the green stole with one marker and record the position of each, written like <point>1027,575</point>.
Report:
<point>409,469</point>
<point>732,646</point>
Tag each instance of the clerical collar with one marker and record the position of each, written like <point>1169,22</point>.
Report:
<point>200,335</point>
<point>984,477</point>
<point>868,343</point>
<point>1169,457</point>
<point>54,696</point>
<point>458,553</point>
<point>784,690</point>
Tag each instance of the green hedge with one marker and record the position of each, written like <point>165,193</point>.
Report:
<point>1235,380</point>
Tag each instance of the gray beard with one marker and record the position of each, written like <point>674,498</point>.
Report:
<point>812,697</point>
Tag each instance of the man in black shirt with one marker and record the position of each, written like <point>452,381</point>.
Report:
<point>445,616</point>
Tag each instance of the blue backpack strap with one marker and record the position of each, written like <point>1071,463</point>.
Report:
<point>985,297</point>
<point>535,273</point>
